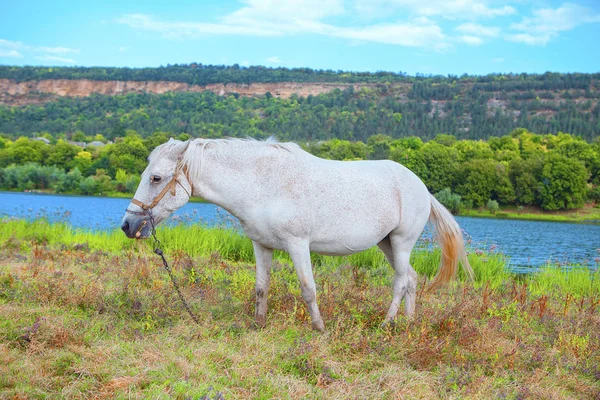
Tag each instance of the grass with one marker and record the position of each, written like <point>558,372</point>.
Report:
<point>87,314</point>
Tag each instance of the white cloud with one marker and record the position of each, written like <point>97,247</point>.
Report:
<point>547,23</point>
<point>498,59</point>
<point>281,11</point>
<point>532,40</point>
<point>11,45</point>
<point>9,48</point>
<point>18,49</point>
<point>251,22</point>
<point>452,9</point>
<point>10,53</point>
<point>403,34</point>
<point>419,25</point>
<point>57,50</point>
<point>274,60</point>
<point>56,59</point>
<point>473,34</point>
<point>470,28</point>
<point>183,29</point>
<point>123,48</point>
<point>472,40</point>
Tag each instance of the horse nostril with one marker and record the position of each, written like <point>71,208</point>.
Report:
<point>125,227</point>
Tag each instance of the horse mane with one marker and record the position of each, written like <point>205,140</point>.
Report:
<point>194,155</point>
<point>164,150</point>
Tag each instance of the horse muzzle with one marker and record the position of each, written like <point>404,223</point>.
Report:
<point>139,229</point>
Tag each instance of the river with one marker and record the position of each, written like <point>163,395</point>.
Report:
<point>528,244</point>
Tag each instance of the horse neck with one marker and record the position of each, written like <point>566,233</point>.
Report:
<point>228,174</point>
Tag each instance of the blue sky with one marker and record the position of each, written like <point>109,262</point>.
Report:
<point>413,36</point>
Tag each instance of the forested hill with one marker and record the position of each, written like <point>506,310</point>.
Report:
<point>293,104</point>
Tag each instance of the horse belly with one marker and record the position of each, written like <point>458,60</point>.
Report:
<point>336,249</point>
<point>354,211</point>
<point>347,230</point>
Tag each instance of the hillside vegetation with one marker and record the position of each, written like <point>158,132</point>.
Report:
<point>364,104</point>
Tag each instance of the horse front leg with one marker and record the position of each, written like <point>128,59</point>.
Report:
<point>264,260</point>
<point>300,255</point>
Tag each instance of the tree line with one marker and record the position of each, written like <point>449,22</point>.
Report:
<point>552,171</point>
<point>202,74</point>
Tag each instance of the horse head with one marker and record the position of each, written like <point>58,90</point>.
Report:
<point>164,188</point>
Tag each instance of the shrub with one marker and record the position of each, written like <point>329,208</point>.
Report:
<point>493,206</point>
<point>450,200</point>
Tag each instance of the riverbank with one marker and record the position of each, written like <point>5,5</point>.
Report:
<point>88,314</point>
<point>588,214</point>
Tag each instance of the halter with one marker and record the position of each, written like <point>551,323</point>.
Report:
<point>169,187</point>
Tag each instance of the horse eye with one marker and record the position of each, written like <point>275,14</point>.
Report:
<point>155,179</point>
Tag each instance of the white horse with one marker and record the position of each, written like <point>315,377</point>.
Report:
<point>288,199</point>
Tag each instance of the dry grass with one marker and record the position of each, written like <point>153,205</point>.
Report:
<point>88,324</point>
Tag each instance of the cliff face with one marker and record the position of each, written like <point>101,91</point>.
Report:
<point>28,92</point>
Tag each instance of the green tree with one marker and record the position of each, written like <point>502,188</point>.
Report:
<point>62,154</point>
<point>82,161</point>
<point>129,154</point>
<point>445,139</point>
<point>436,165</point>
<point>24,150</point>
<point>79,137</point>
<point>483,179</point>
<point>379,147</point>
<point>563,183</point>
<point>121,179</point>
<point>104,184</point>
<point>472,149</point>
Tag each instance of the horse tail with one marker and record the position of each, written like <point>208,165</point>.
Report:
<point>452,244</point>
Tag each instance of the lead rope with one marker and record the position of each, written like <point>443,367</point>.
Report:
<point>158,251</point>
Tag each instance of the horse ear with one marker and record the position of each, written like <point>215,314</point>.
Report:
<point>180,148</point>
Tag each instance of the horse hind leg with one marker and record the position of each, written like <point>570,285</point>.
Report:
<point>397,251</point>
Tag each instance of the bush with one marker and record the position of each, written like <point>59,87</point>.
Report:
<point>450,200</point>
<point>30,176</point>
<point>493,206</point>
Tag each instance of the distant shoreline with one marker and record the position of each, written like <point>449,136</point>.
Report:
<point>110,195</point>
<point>582,215</point>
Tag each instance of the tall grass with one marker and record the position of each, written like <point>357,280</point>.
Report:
<point>90,315</point>
<point>197,240</point>
<point>580,281</point>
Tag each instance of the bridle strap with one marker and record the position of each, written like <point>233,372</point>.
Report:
<point>171,186</point>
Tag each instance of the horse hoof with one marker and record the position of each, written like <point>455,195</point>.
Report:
<point>391,324</point>
<point>318,326</point>
<point>260,323</point>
